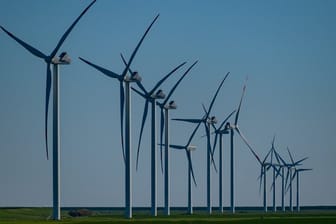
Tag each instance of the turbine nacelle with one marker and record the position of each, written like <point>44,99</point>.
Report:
<point>171,105</point>
<point>191,148</point>
<point>135,77</point>
<point>229,126</point>
<point>159,95</point>
<point>212,120</point>
<point>63,59</point>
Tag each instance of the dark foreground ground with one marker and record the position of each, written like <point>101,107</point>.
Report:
<point>105,216</point>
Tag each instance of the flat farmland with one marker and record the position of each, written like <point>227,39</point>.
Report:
<point>43,215</point>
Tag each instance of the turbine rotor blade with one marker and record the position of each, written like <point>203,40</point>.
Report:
<point>177,83</point>
<point>28,47</point>
<point>122,103</point>
<point>301,160</point>
<point>217,91</point>
<point>268,167</point>
<point>278,172</point>
<point>277,157</point>
<point>67,32</point>
<point>248,145</point>
<point>303,169</point>
<point>204,109</point>
<point>282,160</point>
<point>272,152</point>
<point>294,175</point>
<point>260,178</point>
<point>207,131</point>
<point>268,153</point>
<point>287,175</point>
<point>48,89</point>
<point>240,102</point>
<point>215,141</point>
<point>123,74</point>
<point>102,70</point>
<point>142,88</point>
<point>272,186</point>
<point>144,116</point>
<point>290,155</point>
<point>164,78</point>
<point>226,119</point>
<point>176,146</point>
<point>138,92</point>
<point>193,134</point>
<point>273,142</point>
<point>189,120</point>
<point>191,167</point>
<point>162,124</point>
<point>125,63</point>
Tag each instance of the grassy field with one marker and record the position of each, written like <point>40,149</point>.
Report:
<point>42,215</point>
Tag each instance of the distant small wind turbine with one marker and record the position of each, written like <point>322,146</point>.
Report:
<point>55,61</point>
<point>276,170</point>
<point>296,173</point>
<point>290,174</point>
<point>263,170</point>
<point>220,132</point>
<point>281,171</point>
<point>188,149</point>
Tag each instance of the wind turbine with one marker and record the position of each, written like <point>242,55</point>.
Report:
<point>265,166</point>
<point>207,121</point>
<point>220,132</point>
<point>276,171</point>
<point>263,171</point>
<point>233,128</point>
<point>290,168</point>
<point>296,173</point>
<point>277,168</point>
<point>281,168</point>
<point>165,107</point>
<point>125,92</point>
<point>188,149</point>
<point>63,59</point>
<point>151,97</point>
<point>281,171</point>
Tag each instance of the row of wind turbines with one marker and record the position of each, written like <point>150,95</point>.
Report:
<point>152,98</point>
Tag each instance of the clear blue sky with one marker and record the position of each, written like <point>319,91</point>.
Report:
<point>286,48</point>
